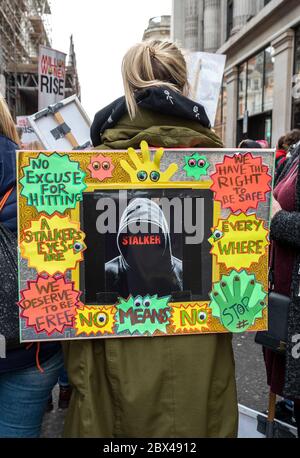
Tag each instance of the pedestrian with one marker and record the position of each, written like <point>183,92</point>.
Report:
<point>291,139</point>
<point>249,144</point>
<point>263,143</point>
<point>180,386</point>
<point>28,373</point>
<point>281,152</point>
<point>283,371</point>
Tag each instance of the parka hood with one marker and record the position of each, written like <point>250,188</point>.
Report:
<point>156,99</point>
<point>151,246</point>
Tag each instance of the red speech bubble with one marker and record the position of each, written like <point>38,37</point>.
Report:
<point>241,182</point>
<point>49,304</point>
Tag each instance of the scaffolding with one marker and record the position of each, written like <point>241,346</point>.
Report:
<point>24,26</point>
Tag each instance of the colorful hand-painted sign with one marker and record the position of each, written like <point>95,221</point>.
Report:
<point>143,243</point>
<point>52,183</point>
<point>53,244</point>
<point>239,241</point>
<point>49,304</point>
<point>196,166</point>
<point>241,182</point>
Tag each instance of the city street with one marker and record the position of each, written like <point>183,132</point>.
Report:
<point>250,374</point>
<point>149,187</point>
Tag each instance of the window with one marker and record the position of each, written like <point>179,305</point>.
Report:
<point>256,83</point>
<point>242,89</point>
<point>220,123</point>
<point>269,79</point>
<point>229,17</point>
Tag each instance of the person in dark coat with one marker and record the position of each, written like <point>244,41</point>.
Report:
<point>24,389</point>
<point>179,386</point>
<point>283,372</point>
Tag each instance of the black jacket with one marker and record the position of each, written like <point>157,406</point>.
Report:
<point>285,229</point>
<point>8,216</point>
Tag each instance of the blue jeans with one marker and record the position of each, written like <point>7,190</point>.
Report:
<point>63,380</point>
<point>24,396</point>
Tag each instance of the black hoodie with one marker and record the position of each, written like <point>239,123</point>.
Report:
<point>146,264</point>
<point>158,99</point>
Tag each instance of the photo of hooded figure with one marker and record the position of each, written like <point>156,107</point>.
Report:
<point>145,264</point>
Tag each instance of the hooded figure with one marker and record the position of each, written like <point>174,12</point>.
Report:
<point>146,264</point>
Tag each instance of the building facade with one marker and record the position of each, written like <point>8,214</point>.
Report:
<point>24,26</point>
<point>260,98</point>
<point>159,28</point>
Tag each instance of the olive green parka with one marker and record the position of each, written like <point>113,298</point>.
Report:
<point>173,387</point>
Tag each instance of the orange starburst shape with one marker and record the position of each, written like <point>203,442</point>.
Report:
<point>95,321</point>
<point>241,182</point>
<point>49,304</point>
<point>190,318</point>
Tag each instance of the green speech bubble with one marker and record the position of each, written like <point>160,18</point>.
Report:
<point>238,300</point>
<point>53,183</point>
<point>143,315</point>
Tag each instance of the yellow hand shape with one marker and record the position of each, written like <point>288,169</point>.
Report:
<point>147,171</point>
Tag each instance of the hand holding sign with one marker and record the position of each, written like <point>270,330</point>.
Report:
<point>147,171</point>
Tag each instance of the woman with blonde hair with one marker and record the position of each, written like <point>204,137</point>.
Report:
<point>27,374</point>
<point>181,386</point>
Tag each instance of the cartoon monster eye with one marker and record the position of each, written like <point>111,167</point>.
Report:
<point>106,165</point>
<point>77,247</point>
<point>217,235</point>
<point>142,175</point>
<point>102,319</point>
<point>192,162</point>
<point>96,165</point>
<point>202,316</point>
<point>147,303</point>
<point>201,163</point>
<point>154,176</point>
<point>138,302</point>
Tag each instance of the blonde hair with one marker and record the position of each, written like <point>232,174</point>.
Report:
<point>153,63</point>
<point>7,125</point>
<point>36,145</point>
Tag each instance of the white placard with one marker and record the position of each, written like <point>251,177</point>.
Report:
<point>75,119</point>
<point>205,73</point>
<point>52,76</point>
<point>28,135</point>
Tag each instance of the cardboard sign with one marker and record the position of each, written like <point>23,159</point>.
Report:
<point>62,126</point>
<point>143,243</point>
<point>205,73</point>
<point>52,76</point>
<point>28,136</point>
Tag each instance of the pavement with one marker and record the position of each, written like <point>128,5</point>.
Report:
<point>250,375</point>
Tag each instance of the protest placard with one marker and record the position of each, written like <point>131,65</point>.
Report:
<point>28,137</point>
<point>143,243</point>
<point>52,76</point>
<point>205,73</point>
<point>62,126</point>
